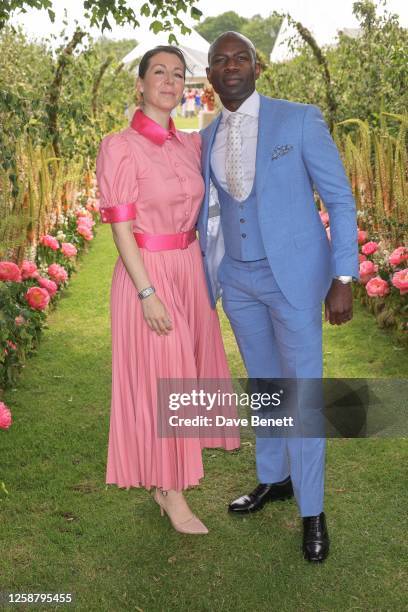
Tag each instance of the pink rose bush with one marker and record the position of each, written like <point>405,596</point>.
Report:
<point>400,281</point>
<point>377,287</point>
<point>28,270</point>
<point>362,236</point>
<point>57,273</point>
<point>10,271</point>
<point>398,256</point>
<point>68,249</point>
<point>367,271</point>
<point>33,284</point>
<point>5,416</point>
<point>50,241</point>
<point>37,297</point>
<point>369,248</point>
<point>377,267</point>
<point>383,279</point>
<point>84,225</point>
<point>48,285</point>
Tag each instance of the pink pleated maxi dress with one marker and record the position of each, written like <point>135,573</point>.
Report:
<point>153,176</point>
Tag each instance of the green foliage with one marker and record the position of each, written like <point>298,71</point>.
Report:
<point>212,27</point>
<point>17,342</point>
<point>368,72</point>
<point>100,13</point>
<point>262,31</point>
<point>106,47</point>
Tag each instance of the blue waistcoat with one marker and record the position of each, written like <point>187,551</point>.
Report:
<point>240,225</point>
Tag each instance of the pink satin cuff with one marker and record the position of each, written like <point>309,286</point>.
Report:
<point>120,212</point>
<point>165,242</point>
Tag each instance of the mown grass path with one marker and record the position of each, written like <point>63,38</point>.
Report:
<point>63,530</point>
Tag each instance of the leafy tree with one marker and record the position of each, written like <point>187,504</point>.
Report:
<point>163,13</point>
<point>368,72</point>
<point>106,47</point>
<point>212,27</point>
<point>262,31</point>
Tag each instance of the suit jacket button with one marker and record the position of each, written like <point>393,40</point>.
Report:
<point>243,235</point>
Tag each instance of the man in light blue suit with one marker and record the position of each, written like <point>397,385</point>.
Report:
<point>265,247</point>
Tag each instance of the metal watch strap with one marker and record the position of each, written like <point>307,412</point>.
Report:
<point>144,293</point>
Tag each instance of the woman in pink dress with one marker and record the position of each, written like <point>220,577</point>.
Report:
<point>163,326</point>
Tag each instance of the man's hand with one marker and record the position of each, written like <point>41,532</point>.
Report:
<point>339,303</point>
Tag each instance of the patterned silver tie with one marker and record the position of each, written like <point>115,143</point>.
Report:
<point>233,159</point>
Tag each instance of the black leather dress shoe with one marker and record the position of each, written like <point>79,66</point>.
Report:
<point>315,538</point>
<point>263,493</point>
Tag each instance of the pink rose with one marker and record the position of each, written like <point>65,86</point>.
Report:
<point>5,416</point>
<point>28,270</point>
<point>68,249</point>
<point>377,287</point>
<point>369,248</point>
<point>20,320</point>
<point>324,217</point>
<point>37,298</point>
<point>400,281</point>
<point>50,241</point>
<point>11,345</point>
<point>362,236</point>
<point>367,271</point>
<point>9,271</point>
<point>57,273</point>
<point>48,285</point>
<point>85,232</point>
<point>361,258</point>
<point>398,256</point>
<point>86,222</point>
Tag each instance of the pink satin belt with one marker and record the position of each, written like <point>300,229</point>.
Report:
<point>165,242</point>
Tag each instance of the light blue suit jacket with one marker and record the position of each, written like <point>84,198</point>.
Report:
<point>295,152</point>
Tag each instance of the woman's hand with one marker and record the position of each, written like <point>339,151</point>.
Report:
<point>156,315</point>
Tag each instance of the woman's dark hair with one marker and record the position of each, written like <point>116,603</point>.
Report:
<point>144,62</point>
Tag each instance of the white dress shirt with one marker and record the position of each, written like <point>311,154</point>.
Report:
<point>249,133</point>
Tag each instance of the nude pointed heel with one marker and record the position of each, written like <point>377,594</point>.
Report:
<point>192,526</point>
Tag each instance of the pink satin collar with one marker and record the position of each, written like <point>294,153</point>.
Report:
<point>152,130</point>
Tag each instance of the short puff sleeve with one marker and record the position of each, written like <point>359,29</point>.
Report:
<point>117,180</point>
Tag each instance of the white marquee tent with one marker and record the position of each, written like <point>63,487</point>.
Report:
<point>194,47</point>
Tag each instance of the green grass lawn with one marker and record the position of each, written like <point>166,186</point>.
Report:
<point>64,530</point>
<point>186,122</point>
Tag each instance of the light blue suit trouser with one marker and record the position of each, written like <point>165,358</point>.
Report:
<point>277,341</point>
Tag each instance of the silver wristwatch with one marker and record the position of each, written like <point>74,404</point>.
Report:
<point>144,293</point>
<point>344,279</point>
